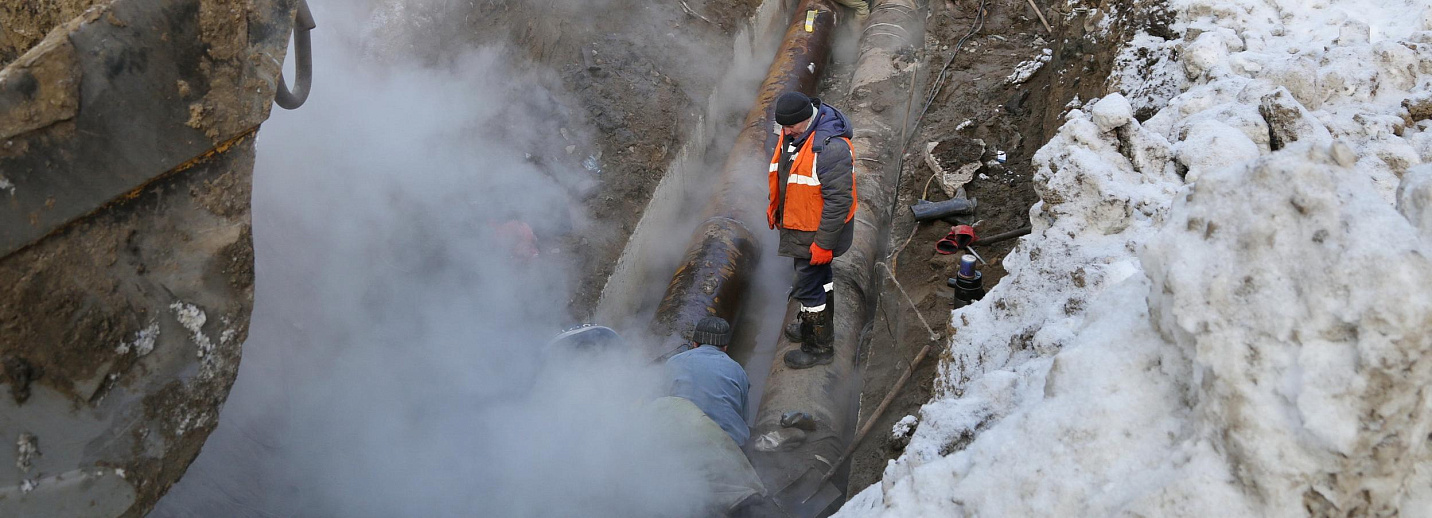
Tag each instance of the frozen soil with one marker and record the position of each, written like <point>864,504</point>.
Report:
<point>76,308</point>
<point>978,100</point>
<point>26,23</point>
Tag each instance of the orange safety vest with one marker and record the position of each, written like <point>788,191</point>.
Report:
<point>803,203</point>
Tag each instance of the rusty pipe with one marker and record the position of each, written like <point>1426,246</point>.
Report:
<point>717,268</point>
<point>798,66</point>
<point>711,280</point>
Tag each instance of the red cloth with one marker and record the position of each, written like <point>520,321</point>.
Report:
<point>518,238</point>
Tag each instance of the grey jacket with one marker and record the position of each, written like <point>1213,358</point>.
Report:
<point>717,385</point>
<point>835,168</point>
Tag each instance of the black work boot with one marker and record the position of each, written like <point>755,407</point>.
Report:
<point>823,331</point>
<point>816,340</point>
<point>793,329</point>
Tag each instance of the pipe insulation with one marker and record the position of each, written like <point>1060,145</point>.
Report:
<point>721,258</point>
<point>828,392</point>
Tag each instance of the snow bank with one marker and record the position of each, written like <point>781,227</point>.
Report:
<point>1225,309</point>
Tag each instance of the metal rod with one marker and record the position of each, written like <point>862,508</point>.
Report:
<point>1002,236</point>
<point>972,251</point>
<point>913,306</point>
<point>1040,14</point>
<point>879,411</point>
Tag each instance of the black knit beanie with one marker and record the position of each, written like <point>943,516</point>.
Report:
<point>712,331</point>
<point>792,108</point>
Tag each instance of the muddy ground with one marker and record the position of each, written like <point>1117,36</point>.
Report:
<point>26,22</point>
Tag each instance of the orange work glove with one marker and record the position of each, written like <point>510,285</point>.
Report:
<point>820,255</point>
<point>771,216</point>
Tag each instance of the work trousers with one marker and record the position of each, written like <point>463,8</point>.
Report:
<point>811,281</point>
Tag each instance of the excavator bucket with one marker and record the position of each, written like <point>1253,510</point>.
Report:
<point>126,257</point>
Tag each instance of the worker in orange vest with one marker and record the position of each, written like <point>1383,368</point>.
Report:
<point>812,202</point>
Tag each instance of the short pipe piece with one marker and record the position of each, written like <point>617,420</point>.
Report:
<point>936,210</point>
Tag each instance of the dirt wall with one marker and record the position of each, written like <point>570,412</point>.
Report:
<point>978,100</point>
<point>641,74</point>
<point>27,22</point>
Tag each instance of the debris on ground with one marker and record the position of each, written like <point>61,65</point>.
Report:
<point>1011,120</point>
<point>903,429</point>
<point>954,162</point>
<point>1185,332</point>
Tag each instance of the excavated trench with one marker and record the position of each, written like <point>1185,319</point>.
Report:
<point>980,98</point>
<point>673,192</point>
<point>975,97</point>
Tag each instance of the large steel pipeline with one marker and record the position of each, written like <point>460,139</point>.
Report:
<point>827,393</point>
<point>717,268</point>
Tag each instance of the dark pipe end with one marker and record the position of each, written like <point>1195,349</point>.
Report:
<point>935,210</point>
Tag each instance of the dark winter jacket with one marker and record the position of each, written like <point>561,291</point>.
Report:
<point>835,170</point>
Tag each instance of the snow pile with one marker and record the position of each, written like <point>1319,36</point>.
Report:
<point>1223,310</point>
<point>1026,69</point>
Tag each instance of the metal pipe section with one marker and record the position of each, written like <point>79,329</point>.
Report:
<point>783,454</point>
<point>722,257</point>
<point>712,280</point>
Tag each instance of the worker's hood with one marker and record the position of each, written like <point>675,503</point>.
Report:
<point>829,123</point>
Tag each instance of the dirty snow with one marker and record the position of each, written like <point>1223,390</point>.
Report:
<point>1026,69</point>
<point>192,318</point>
<point>191,422</point>
<point>904,427</point>
<point>1146,72</point>
<point>143,341</point>
<point>27,447</point>
<point>1224,309</point>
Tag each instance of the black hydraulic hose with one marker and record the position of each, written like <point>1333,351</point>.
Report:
<point>303,53</point>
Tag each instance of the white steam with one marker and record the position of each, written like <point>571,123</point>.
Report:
<point>396,364</point>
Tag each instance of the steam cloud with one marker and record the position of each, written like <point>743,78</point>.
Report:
<point>395,365</point>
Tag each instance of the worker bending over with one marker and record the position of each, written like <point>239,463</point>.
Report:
<point>812,201</point>
<point>709,378</point>
<point>710,391</point>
